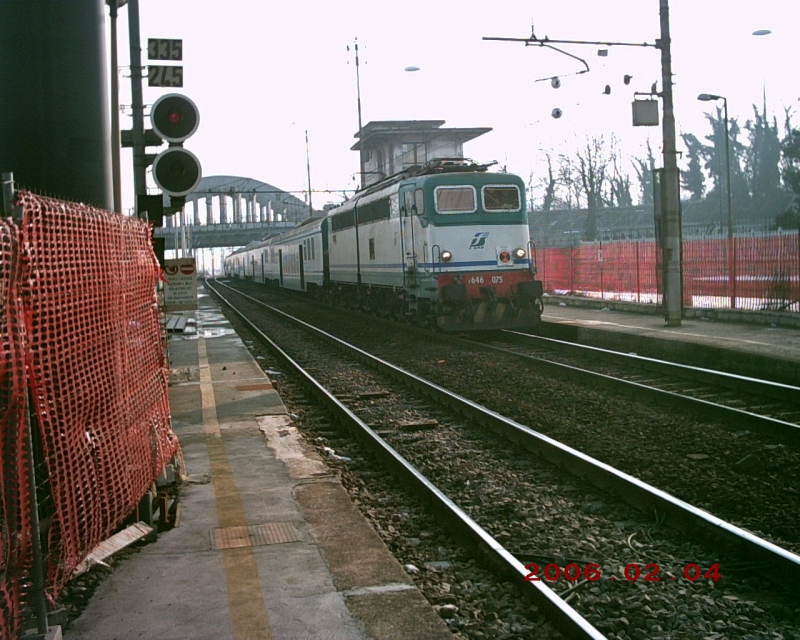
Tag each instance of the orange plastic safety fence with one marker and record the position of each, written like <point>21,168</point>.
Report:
<point>98,374</point>
<point>15,542</point>
<point>761,271</point>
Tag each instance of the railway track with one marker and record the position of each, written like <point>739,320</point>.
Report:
<point>434,430</point>
<point>768,409</point>
<point>686,453</point>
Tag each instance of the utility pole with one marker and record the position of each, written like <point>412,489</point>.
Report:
<point>139,162</point>
<point>308,170</point>
<point>360,127</point>
<point>673,285</point>
<point>673,289</point>
<point>115,150</point>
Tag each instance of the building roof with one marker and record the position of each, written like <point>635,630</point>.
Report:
<point>377,132</point>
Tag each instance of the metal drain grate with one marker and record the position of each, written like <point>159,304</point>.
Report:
<point>255,535</point>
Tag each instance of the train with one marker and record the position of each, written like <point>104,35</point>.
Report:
<point>444,245</point>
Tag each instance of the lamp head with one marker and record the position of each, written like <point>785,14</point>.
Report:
<point>708,97</point>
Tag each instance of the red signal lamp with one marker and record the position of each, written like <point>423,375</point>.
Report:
<point>174,117</point>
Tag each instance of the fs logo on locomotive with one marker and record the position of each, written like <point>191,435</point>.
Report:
<point>479,241</point>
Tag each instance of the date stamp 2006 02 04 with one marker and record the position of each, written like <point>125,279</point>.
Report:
<point>632,572</point>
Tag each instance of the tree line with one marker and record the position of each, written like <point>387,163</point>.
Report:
<point>764,173</point>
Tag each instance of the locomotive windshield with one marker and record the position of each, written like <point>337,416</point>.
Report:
<point>455,199</point>
<point>501,198</point>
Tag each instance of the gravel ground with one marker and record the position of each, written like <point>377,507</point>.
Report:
<point>535,510</point>
<point>694,460</point>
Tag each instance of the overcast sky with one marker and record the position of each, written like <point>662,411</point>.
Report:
<point>262,73</point>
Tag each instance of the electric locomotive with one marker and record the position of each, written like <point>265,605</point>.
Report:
<point>445,245</point>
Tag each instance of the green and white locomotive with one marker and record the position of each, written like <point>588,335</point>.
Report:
<point>445,245</point>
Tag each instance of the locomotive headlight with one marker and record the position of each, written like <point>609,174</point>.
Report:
<point>446,256</point>
<point>519,254</point>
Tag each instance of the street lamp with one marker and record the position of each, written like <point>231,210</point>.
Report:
<point>709,97</point>
<point>760,33</point>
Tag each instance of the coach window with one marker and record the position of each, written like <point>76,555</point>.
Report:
<point>372,248</point>
<point>455,200</point>
<point>419,201</point>
<point>501,198</point>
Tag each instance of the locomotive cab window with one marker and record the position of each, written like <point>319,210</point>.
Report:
<point>501,198</point>
<point>419,202</point>
<point>455,199</point>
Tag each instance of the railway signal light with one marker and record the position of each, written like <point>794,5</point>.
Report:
<point>174,117</point>
<point>177,170</point>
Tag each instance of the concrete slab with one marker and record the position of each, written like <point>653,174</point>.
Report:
<point>355,553</point>
<point>398,616</point>
<point>222,407</point>
<point>171,596</point>
<point>299,457</point>
<point>758,350</point>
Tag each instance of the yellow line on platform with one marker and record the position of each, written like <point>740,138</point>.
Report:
<point>210,422</point>
<point>249,616</point>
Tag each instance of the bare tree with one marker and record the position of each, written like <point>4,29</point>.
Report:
<point>619,182</point>
<point>571,189</point>
<point>644,172</point>
<point>591,165</point>
<point>549,185</point>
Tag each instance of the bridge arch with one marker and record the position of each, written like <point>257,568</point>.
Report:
<point>243,200</point>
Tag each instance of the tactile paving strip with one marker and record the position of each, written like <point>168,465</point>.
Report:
<point>254,535</point>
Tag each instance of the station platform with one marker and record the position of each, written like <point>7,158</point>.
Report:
<point>745,347</point>
<point>268,544</point>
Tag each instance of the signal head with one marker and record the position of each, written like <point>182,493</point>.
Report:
<point>174,117</point>
<point>177,171</point>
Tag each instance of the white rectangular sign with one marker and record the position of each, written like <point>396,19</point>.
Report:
<point>180,285</point>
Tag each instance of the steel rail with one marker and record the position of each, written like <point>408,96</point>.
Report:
<point>781,430</point>
<point>768,388</point>
<point>562,615</point>
<point>777,564</point>
<point>681,515</point>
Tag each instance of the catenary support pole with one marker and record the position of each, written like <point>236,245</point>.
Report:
<point>671,186</point>
<point>137,107</point>
<point>116,181</point>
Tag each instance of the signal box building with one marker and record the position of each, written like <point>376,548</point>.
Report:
<point>387,147</point>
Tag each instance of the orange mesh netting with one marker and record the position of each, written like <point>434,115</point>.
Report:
<point>14,504</point>
<point>765,270</point>
<point>97,370</point>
